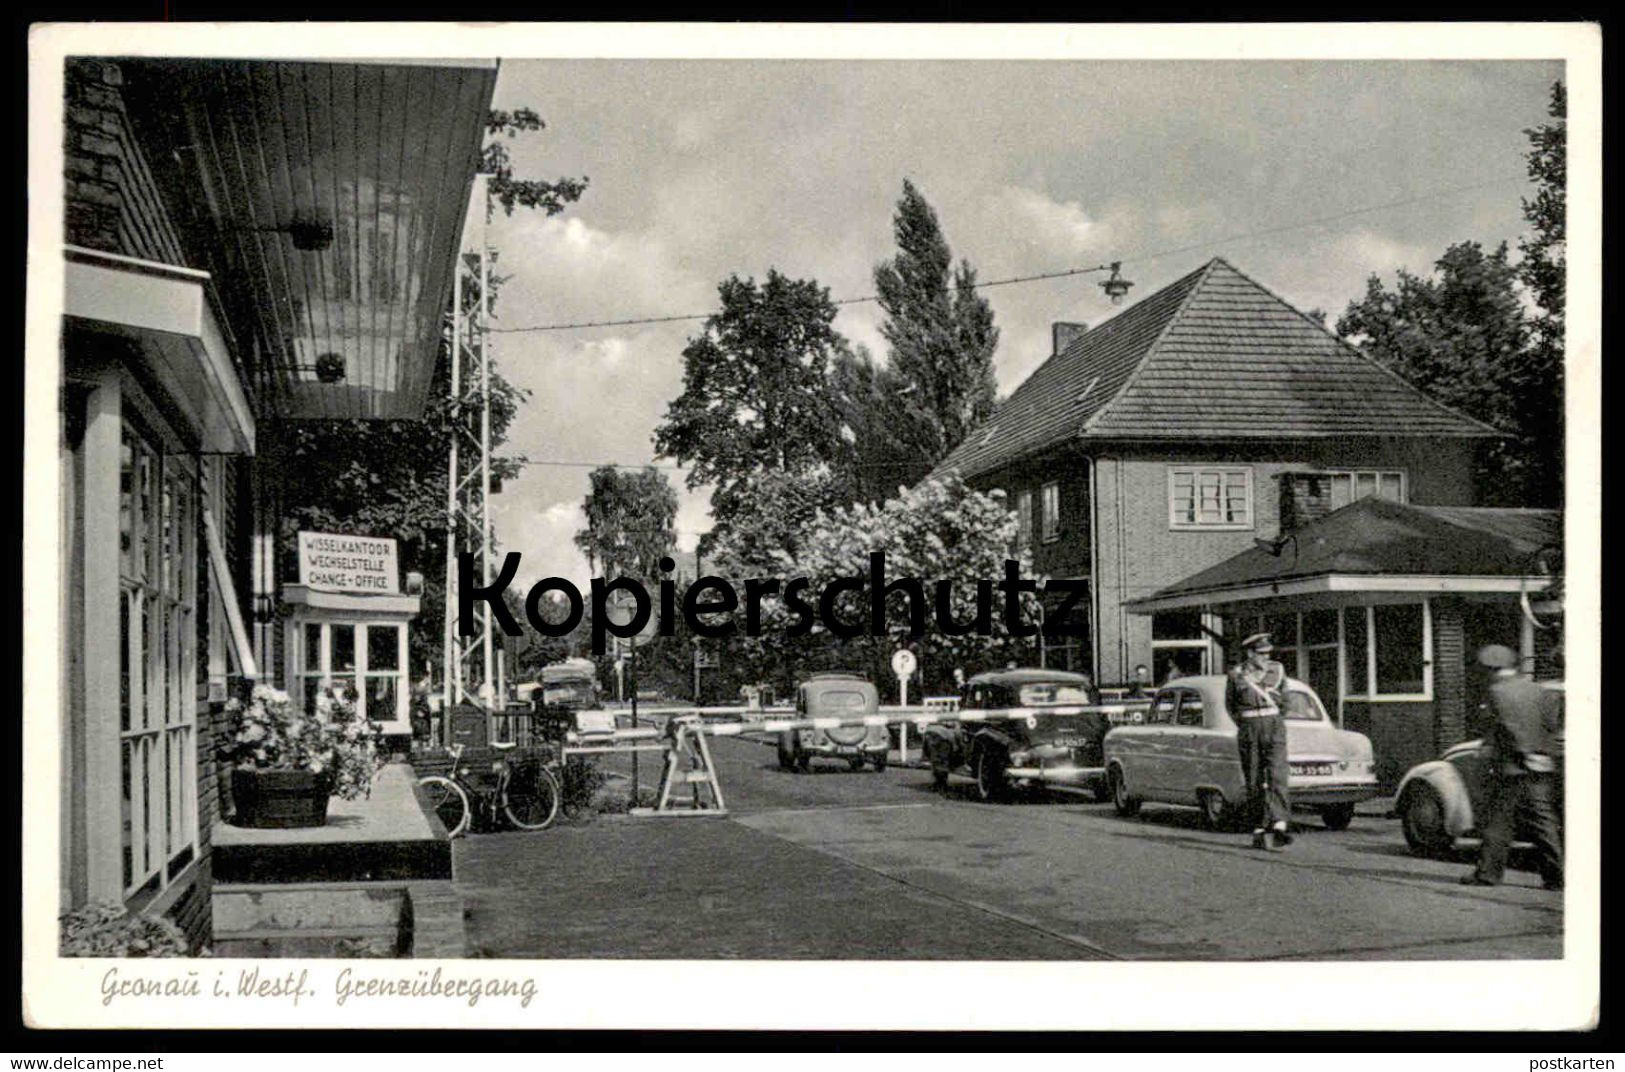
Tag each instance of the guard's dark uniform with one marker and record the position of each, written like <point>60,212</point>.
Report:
<point>1254,700</point>
<point>1522,761</point>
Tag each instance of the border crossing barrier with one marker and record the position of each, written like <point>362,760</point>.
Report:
<point>688,754</point>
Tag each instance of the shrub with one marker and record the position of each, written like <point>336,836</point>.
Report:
<point>106,929</point>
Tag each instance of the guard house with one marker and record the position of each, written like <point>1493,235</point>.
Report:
<point>346,626</point>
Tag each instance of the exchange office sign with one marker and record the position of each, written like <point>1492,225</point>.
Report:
<point>331,563</point>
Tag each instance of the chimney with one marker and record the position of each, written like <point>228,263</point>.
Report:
<point>1305,497</point>
<point>1063,333</point>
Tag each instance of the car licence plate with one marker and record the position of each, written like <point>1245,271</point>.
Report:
<point>1311,769</point>
<point>1068,742</point>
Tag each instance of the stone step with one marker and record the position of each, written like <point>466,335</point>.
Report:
<point>245,907</point>
<point>382,941</point>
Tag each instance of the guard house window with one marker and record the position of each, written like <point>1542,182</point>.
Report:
<point>1050,501</point>
<point>1201,497</point>
<point>1179,647</point>
<point>1386,651</point>
<point>1353,484</point>
<point>1024,519</point>
<point>157,624</point>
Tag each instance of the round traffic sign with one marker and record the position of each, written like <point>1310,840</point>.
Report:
<point>902,662</point>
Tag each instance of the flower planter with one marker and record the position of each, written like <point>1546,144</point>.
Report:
<point>280,799</point>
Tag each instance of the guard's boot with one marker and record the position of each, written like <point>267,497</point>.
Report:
<point>1261,839</point>
<point>1282,836</point>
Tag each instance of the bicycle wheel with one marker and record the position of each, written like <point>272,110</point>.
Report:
<point>531,801</point>
<point>448,801</point>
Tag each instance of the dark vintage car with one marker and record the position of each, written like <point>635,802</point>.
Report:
<point>836,695</point>
<point>1440,801</point>
<point>1055,742</point>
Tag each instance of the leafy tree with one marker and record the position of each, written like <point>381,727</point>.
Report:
<point>1463,337</point>
<point>881,427</point>
<point>941,336</point>
<point>631,522</point>
<point>938,530</point>
<point>1543,261</point>
<point>756,393</point>
<point>1542,271</point>
<point>389,477</point>
<point>508,190</point>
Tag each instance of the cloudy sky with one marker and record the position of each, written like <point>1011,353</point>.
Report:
<point>700,169</point>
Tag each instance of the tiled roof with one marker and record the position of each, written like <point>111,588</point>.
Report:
<point>1211,356</point>
<point>1375,537</point>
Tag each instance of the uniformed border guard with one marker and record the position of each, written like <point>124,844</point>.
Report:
<point>1253,696</point>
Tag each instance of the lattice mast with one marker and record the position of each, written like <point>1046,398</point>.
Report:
<point>468,668</point>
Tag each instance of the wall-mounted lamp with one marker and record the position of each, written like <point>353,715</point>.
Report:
<point>328,367</point>
<point>1116,286</point>
<point>310,233</point>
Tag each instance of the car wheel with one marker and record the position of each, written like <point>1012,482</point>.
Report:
<point>1421,815</point>
<point>855,763</point>
<point>1339,816</point>
<point>939,776</point>
<point>1101,790</point>
<point>880,761</point>
<point>991,784</point>
<point>803,762</point>
<point>1216,814</point>
<point>1126,805</point>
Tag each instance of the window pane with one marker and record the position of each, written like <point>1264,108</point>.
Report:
<point>343,648</point>
<point>381,693</point>
<point>1399,649</point>
<point>127,810</point>
<point>1283,629</point>
<point>144,647</point>
<point>1190,709</point>
<point>1162,712</point>
<point>1365,484</point>
<point>1322,675</point>
<point>1177,625</point>
<point>1170,663</point>
<point>1320,627</point>
<point>145,514</point>
<point>383,647</point>
<point>1342,490</point>
<point>1391,487</point>
<point>126,504</point>
<point>1354,647</point>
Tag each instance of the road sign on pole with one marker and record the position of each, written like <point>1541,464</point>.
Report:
<point>903,664</point>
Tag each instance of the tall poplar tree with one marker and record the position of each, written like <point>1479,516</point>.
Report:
<point>941,338</point>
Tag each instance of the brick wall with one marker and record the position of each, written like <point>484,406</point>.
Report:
<point>1450,657</point>
<point>112,202</point>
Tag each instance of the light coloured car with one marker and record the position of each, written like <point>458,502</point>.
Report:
<point>1438,801</point>
<point>1184,752</point>
<point>836,695</point>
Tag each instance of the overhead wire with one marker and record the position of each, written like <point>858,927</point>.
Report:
<point>1063,272</point>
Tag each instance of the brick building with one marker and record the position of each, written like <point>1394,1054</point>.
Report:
<point>246,243</point>
<point>1163,441</point>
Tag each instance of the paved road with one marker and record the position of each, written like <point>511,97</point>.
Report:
<point>838,864</point>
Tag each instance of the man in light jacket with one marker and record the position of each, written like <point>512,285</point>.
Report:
<point>1252,694</point>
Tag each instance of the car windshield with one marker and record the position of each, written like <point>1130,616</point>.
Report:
<point>1053,692</point>
<point>1302,705</point>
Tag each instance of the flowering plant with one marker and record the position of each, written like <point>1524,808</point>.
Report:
<point>270,732</point>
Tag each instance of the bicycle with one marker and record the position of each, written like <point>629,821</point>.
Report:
<point>527,796</point>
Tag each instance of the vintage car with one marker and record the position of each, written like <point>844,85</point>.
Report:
<point>1184,752</point>
<point>1055,742</point>
<point>835,695</point>
<point>1438,801</point>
